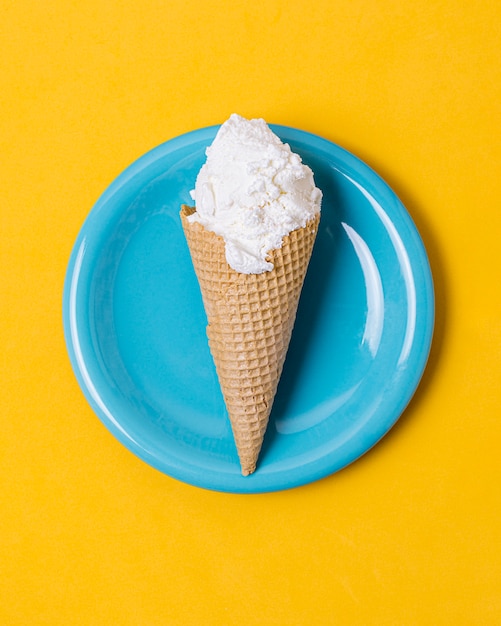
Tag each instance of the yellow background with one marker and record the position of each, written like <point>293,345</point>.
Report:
<point>407,535</point>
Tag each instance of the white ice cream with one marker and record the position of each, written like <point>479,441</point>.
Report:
<point>253,190</point>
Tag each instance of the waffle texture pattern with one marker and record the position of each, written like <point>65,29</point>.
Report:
<point>250,321</point>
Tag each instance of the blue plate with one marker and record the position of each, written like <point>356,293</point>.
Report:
<point>135,324</point>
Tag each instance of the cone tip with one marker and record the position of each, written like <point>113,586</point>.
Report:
<point>247,470</point>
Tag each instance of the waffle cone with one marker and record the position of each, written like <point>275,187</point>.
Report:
<point>250,321</point>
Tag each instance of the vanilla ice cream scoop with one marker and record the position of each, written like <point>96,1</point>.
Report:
<point>253,190</point>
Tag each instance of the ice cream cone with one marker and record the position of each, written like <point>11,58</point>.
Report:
<point>250,321</point>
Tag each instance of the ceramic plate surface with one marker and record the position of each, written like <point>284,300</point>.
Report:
<point>135,324</point>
